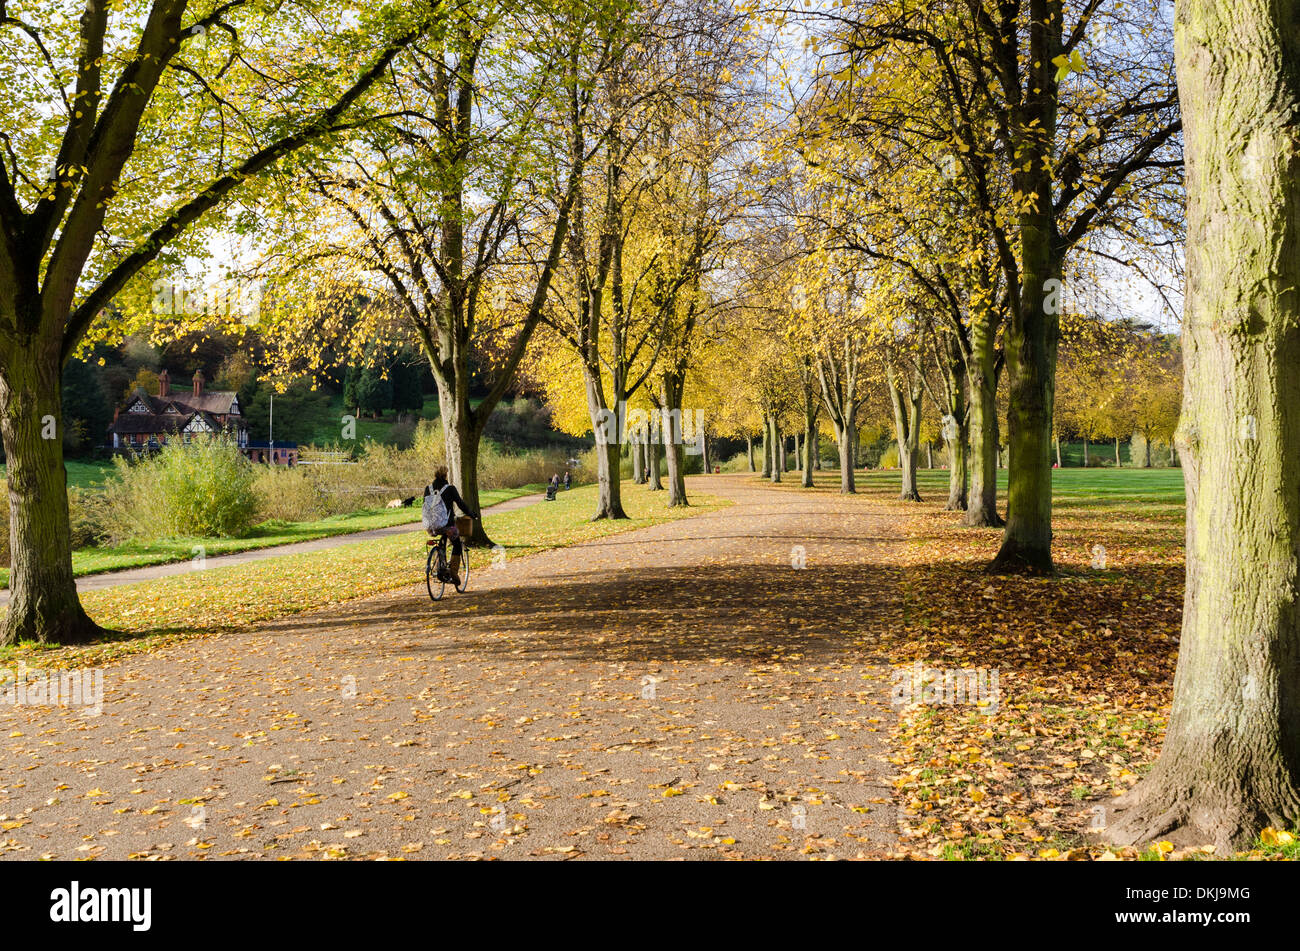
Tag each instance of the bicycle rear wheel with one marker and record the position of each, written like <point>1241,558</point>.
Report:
<point>464,569</point>
<point>435,585</point>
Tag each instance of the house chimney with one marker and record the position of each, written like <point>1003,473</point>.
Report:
<point>198,382</point>
<point>164,384</point>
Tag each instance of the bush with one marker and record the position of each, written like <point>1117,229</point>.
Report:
<point>288,495</point>
<point>402,433</point>
<point>87,516</point>
<point>200,489</point>
<point>740,461</point>
<point>85,513</point>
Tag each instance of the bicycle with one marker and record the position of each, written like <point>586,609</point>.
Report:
<point>435,569</point>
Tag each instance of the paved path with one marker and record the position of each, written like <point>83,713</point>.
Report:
<point>111,579</point>
<point>679,691</point>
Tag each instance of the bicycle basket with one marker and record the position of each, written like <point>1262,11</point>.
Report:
<point>465,526</point>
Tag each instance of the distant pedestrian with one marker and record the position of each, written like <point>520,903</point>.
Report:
<point>568,482</point>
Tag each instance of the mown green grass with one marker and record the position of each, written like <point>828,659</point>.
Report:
<point>81,475</point>
<point>1158,486</point>
<point>151,613</point>
<point>90,561</point>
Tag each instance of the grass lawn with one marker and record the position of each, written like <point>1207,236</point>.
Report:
<point>89,561</point>
<point>326,431</point>
<point>155,612</point>
<point>82,475</point>
<point>1162,486</point>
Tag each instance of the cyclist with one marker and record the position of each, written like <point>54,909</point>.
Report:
<point>440,502</point>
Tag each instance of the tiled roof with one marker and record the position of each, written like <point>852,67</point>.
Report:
<point>173,412</point>
<point>128,423</point>
<point>215,401</point>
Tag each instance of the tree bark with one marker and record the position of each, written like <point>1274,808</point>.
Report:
<point>778,449</point>
<point>1033,330</point>
<point>638,458</point>
<point>1230,763</point>
<point>955,430</point>
<point>982,502</point>
<point>462,435</point>
<point>608,431</point>
<point>656,482</point>
<point>907,428</point>
<point>767,448</point>
<point>671,389</point>
<point>845,442</point>
<point>1117,462</point>
<point>749,451</point>
<point>956,447</point>
<point>809,444</point>
<point>43,606</point>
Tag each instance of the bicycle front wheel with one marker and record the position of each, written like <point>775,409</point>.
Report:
<point>435,585</point>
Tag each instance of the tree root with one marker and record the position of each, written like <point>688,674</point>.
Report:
<point>1189,815</point>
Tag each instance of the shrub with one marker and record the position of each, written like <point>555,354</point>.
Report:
<point>288,495</point>
<point>85,514</point>
<point>740,461</point>
<point>503,470</point>
<point>200,489</point>
<point>402,433</point>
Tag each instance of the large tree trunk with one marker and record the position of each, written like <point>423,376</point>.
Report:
<point>607,426</point>
<point>954,429</point>
<point>43,605</point>
<point>956,447</point>
<point>671,389</point>
<point>809,448</point>
<point>1231,757</point>
<point>1032,334</point>
<point>982,502</point>
<point>638,458</point>
<point>845,441</point>
<point>656,482</point>
<point>1031,366</point>
<point>749,451</point>
<point>778,448</point>
<point>906,404</point>
<point>462,435</point>
<point>767,448</point>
